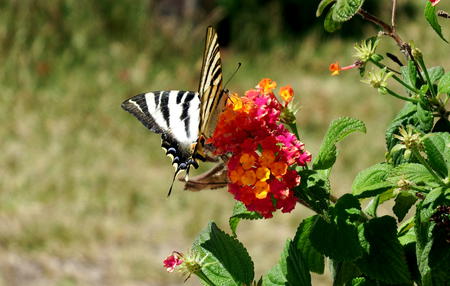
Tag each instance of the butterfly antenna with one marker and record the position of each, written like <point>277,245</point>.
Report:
<point>173,180</point>
<point>232,75</point>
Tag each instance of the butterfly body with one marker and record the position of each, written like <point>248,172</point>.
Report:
<point>185,118</point>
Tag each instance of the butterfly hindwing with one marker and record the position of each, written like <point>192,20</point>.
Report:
<point>174,114</point>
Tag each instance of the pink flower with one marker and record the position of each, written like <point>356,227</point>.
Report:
<point>263,152</point>
<point>434,2</point>
<point>171,262</point>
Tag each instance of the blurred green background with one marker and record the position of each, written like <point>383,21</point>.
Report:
<point>83,185</point>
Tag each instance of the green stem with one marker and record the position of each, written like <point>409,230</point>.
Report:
<point>413,100</point>
<point>205,278</point>
<point>427,76</point>
<point>425,163</point>
<point>399,80</point>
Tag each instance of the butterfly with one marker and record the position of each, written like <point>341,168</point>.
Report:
<point>185,119</point>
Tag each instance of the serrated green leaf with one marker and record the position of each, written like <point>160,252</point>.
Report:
<point>290,270</point>
<point>435,73</point>
<point>313,258</point>
<point>337,131</point>
<point>406,232</point>
<point>329,24</point>
<point>444,84</point>
<point>372,181</point>
<point>437,148</point>
<point>430,15</point>
<point>322,5</point>
<point>383,257</point>
<point>346,9</point>
<point>228,262</point>
<point>314,189</point>
<point>416,173</point>
<point>241,212</point>
<point>403,202</point>
<point>433,251</point>
<point>424,116</point>
<point>342,272</point>
<point>341,241</point>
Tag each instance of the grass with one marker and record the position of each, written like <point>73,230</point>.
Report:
<point>83,185</point>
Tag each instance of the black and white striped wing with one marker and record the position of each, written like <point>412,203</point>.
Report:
<point>212,95</point>
<point>175,115</point>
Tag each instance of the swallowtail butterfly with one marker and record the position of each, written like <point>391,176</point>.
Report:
<point>185,119</point>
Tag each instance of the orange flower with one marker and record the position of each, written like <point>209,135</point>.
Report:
<point>261,190</point>
<point>267,157</point>
<point>236,174</point>
<point>278,169</point>
<point>247,160</point>
<point>262,174</point>
<point>287,93</point>
<point>235,101</point>
<point>267,85</point>
<point>334,68</point>
<point>249,177</point>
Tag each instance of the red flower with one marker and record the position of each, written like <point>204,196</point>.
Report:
<point>434,2</point>
<point>263,152</point>
<point>171,262</point>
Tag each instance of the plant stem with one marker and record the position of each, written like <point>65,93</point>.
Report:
<point>389,30</point>
<point>399,80</point>
<point>413,100</point>
<point>394,7</point>
<point>425,163</point>
<point>427,76</point>
<point>205,278</point>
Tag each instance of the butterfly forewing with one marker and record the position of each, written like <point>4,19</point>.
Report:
<point>212,96</point>
<point>174,114</point>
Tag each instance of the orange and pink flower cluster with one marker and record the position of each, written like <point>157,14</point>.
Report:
<point>263,152</point>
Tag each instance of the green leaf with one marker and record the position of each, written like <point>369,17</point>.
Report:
<point>416,173</point>
<point>372,181</point>
<point>322,5</point>
<point>383,257</point>
<point>228,262</point>
<point>290,270</point>
<point>339,241</point>
<point>314,189</point>
<point>241,212</point>
<point>329,24</point>
<point>435,73</point>
<point>337,236</point>
<point>337,131</point>
<point>345,9</point>
<point>406,232</point>
<point>437,148</point>
<point>403,202</point>
<point>409,74</point>
<point>444,84</point>
<point>430,15</point>
<point>433,251</point>
<point>313,258</point>
<point>343,272</point>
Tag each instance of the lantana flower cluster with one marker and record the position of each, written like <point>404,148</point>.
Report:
<point>261,169</point>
